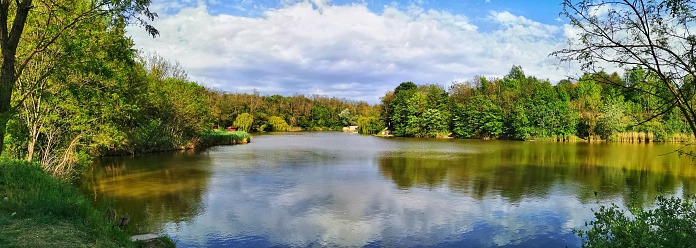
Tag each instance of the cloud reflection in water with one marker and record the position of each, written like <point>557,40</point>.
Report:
<point>334,189</point>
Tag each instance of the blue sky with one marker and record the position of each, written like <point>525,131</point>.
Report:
<point>541,11</point>
<point>356,50</point>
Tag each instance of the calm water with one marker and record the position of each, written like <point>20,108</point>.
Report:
<point>336,189</point>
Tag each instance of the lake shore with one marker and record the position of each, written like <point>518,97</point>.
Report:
<point>293,182</point>
<point>37,210</point>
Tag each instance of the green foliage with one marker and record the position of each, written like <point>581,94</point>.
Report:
<point>37,210</point>
<point>244,121</point>
<point>299,111</point>
<point>518,124</point>
<point>401,110</point>
<point>405,86</point>
<point>670,224</point>
<point>614,121</point>
<point>277,124</point>
<point>347,119</point>
<point>369,125</point>
<point>523,107</point>
<point>419,111</point>
<point>481,118</point>
<point>214,138</point>
<point>655,37</point>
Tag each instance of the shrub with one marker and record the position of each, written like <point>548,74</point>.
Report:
<point>671,224</point>
<point>244,121</point>
<point>277,124</point>
<point>369,125</point>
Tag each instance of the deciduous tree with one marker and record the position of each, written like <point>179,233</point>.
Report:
<point>654,35</point>
<point>57,19</point>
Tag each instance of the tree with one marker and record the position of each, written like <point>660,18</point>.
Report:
<point>58,18</point>
<point>654,35</point>
<point>369,125</point>
<point>244,121</point>
<point>277,124</point>
<point>94,60</point>
<point>347,119</point>
<point>480,118</point>
<point>587,101</point>
<point>399,108</point>
<point>405,86</point>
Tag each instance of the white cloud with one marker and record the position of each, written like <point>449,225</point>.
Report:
<point>313,47</point>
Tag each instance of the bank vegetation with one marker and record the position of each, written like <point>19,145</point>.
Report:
<point>520,107</point>
<point>38,210</point>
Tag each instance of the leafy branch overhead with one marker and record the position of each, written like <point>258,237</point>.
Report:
<point>653,35</point>
<point>47,22</point>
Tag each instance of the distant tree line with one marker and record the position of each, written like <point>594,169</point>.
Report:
<point>521,107</point>
<point>256,113</point>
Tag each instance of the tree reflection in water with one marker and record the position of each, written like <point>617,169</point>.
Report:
<point>153,189</point>
<point>637,173</point>
<point>335,189</point>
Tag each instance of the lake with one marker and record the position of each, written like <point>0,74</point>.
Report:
<point>340,189</point>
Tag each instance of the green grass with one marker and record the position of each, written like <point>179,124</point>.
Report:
<point>215,138</point>
<point>37,210</point>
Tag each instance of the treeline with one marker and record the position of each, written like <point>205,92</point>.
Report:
<point>88,93</point>
<point>598,106</point>
<point>256,113</point>
<point>91,94</point>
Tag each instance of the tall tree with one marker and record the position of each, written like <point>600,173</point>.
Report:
<point>58,18</point>
<point>655,35</point>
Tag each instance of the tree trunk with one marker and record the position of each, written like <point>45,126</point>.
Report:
<point>6,87</point>
<point>9,39</point>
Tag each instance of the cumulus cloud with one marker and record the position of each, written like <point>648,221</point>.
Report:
<point>348,51</point>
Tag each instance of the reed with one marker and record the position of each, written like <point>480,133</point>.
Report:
<point>647,137</point>
<point>635,137</point>
<point>216,138</point>
<point>681,138</point>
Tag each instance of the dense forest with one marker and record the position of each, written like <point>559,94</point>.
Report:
<point>256,113</point>
<point>598,106</point>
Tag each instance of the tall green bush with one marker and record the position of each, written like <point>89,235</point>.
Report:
<point>243,122</point>
<point>277,124</point>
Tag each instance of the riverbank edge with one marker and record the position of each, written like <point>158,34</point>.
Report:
<point>38,210</point>
<point>634,138</point>
<point>220,138</point>
<point>206,140</point>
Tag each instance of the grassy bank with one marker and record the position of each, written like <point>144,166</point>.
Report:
<point>215,138</point>
<point>37,210</point>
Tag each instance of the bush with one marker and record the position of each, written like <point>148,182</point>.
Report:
<point>244,121</point>
<point>671,224</point>
<point>369,125</point>
<point>277,124</point>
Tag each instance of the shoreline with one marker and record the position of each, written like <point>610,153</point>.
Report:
<point>38,210</point>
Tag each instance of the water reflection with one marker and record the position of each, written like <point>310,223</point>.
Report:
<point>515,170</point>
<point>334,189</point>
<point>153,189</point>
